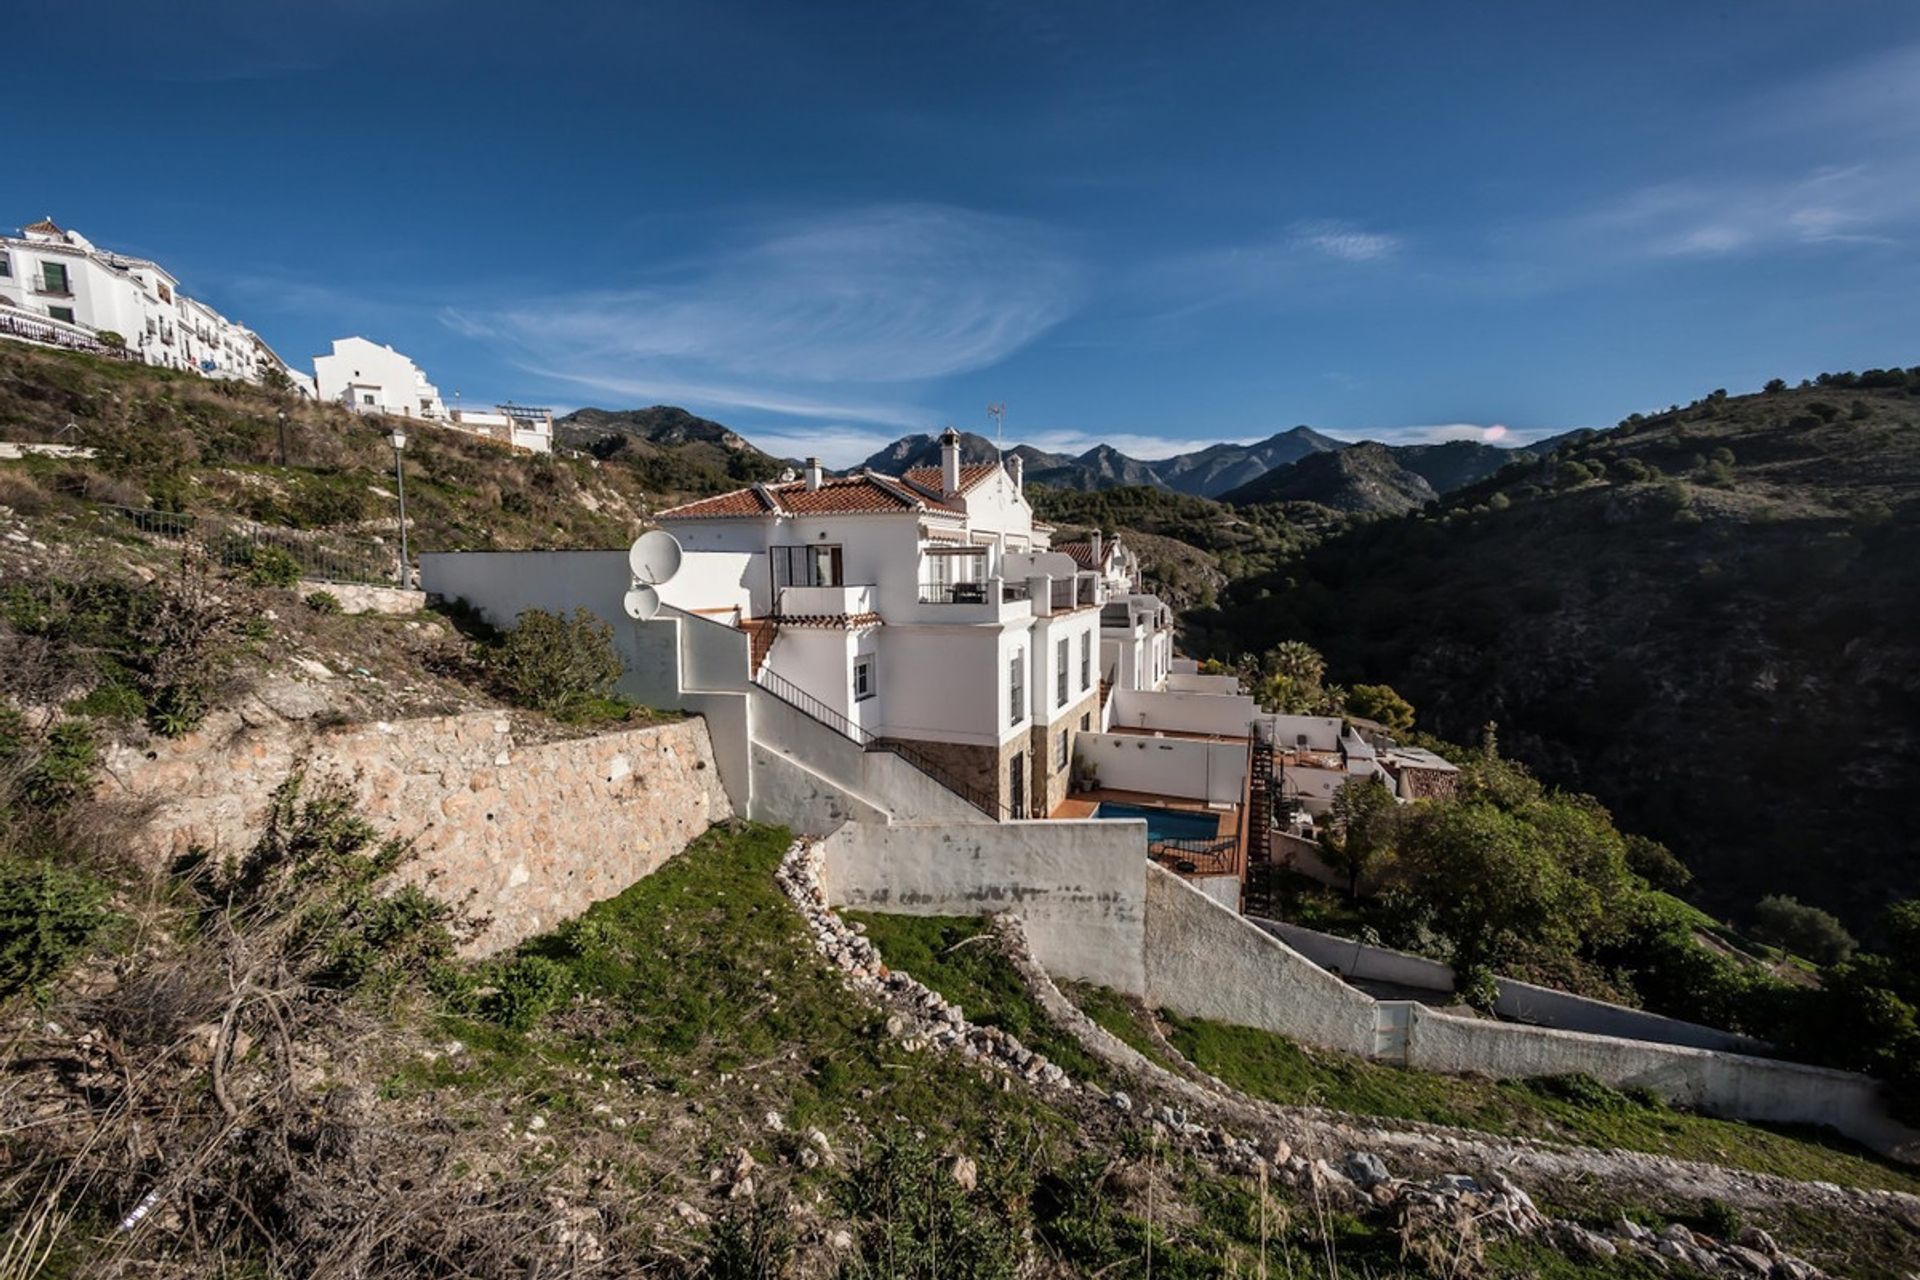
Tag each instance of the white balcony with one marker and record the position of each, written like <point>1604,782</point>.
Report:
<point>825,602</point>
<point>987,600</point>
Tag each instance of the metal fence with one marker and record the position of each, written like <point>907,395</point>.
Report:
<point>1219,857</point>
<point>235,543</point>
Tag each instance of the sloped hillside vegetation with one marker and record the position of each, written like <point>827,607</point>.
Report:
<point>1708,617</point>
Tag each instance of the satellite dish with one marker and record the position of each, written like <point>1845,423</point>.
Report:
<point>654,557</point>
<point>641,603</point>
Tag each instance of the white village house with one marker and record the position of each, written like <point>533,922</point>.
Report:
<point>926,608</point>
<point>58,289</point>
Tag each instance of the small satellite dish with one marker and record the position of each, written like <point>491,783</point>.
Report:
<point>641,603</point>
<point>654,557</point>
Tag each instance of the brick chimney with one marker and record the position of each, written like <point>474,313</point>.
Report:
<point>813,474</point>
<point>949,463</point>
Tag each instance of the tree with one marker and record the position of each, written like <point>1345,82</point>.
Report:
<point>1380,703</point>
<point>1298,661</point>
<point>1794,926</point>
<point>1775,386</point>
<point>1360,827</point>
<point>1655,863</point>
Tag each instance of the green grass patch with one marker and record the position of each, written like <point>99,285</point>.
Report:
<point>1125,1020</point>
<point>1568,1109</point>
<point>701,981</point>
<point>955,955</point>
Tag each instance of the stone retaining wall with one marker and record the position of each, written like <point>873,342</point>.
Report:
<point>525,835</point>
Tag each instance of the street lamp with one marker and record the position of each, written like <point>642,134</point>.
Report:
<point>399,439</point>
<point>283,437</point>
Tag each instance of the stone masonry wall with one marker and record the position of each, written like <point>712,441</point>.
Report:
<point>524,835</point>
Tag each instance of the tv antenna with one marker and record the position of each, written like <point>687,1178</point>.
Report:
<point>998,412</point>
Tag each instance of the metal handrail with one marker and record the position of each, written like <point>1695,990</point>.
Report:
<point>808,705</point>
<point>1197,857</point>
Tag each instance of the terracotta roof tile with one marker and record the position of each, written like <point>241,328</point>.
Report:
<point>929,478</point>
<point>866,493</point>
<point>1082,553</point>
<point>46,225</point>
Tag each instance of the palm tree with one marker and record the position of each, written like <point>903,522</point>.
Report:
<point>1298,661</point>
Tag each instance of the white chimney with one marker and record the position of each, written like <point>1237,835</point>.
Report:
<point>949,463</point>
<point>1016,470</point>
<point>1094,546</point>
<point>813,474</point>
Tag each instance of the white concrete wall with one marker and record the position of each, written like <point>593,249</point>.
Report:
<point>713,580</point>
<point>1213,772</point>
<point>1076,885</point>
<point>1184,712</point>
<point>1721,1083</point>
<point>1317,733</point>
<point>1313,788</point>
<point>1205,961</point>
<point>1191,682</point>
<point>358,362</point>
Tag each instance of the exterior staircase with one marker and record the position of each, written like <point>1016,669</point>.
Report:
<point>761,633</point>
<point>1257,891</point>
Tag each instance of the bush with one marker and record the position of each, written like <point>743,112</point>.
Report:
<point>65,769</point>
<point>1804,930</point>
<point>523,990</point>
<point>48,915</point>
<point>1379,702</point>
<point>555,664</point>
<point>1655,863</point>
<point>323,602</point>
<point>270,566</point>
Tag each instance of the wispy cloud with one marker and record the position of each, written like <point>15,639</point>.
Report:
<point>876,298</point>
<point>1858,204</point>
<point>1344,241</point>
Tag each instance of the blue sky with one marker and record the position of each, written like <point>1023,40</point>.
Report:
<point>1154,224</point>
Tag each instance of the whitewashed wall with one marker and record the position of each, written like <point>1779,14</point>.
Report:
<point>1213,772</point>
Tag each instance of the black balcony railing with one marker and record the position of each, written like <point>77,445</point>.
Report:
<point>955,592</point>
<point>1217,857</point>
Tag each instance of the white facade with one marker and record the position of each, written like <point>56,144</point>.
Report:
<point>516,425</point>
<point>368,377</point>
<point>57,287</point>
<point>925,609</point>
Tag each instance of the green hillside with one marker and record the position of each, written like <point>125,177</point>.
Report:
<point>1706,617</point>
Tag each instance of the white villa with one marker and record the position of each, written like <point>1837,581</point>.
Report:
<point>926,609</point>
<point>58,289</point>
<point>914,648</point>
<point>368,377</point>
<point>371,377</point>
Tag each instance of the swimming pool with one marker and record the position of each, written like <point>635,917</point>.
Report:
<point>1164,824</point>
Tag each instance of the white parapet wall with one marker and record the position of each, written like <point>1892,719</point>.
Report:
<point>1204,960</point>
<point>1227,714</point>
<point>1186,768</point>
<point>1077,886</point>
<point>1727,1084</point>
<point>1519,1001</point>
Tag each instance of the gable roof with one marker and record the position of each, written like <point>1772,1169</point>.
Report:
<point>46,226</point>
<point>929,479</point>
<point>1082,553</point>
<point>869,493</point>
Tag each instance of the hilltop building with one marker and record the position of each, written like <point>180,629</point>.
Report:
<point>927,609</point>
<point>522,426</point>
<point>59,289</point>
<point>368,377</point>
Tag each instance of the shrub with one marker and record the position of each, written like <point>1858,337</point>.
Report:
<point>1379,702</point>
<point>1775,386</point>
<point>323,602</point>
<point>553,663</point>
<point>48,915</point>
<point>321,506</point>
<point>269,566</point>
<point>1655,863</point>
<point>1718,1218</point>
<point>1802,929</point>
<point>110,338</point>
<point>318,873</point>
<point>65,769</point>
<point>524,989</point>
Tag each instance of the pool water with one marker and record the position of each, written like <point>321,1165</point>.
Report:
<point>1165,824</point>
